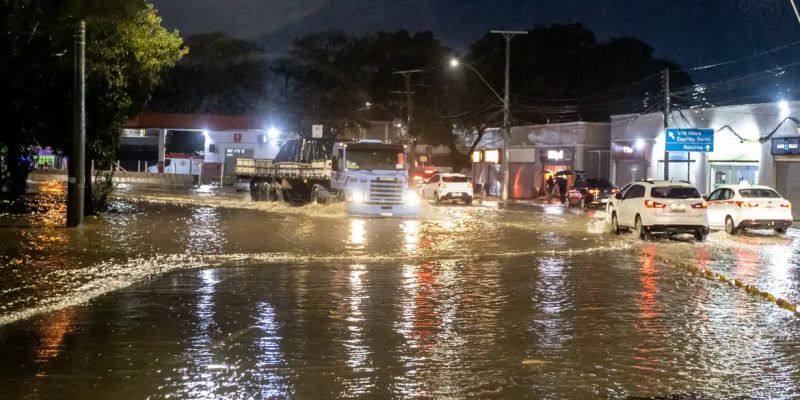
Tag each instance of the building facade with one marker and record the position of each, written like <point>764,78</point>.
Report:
<point>754,143</point>
<point>536,151</point>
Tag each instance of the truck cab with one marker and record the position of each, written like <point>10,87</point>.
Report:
<point>372,178</point>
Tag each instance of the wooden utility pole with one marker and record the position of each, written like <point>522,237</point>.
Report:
<point>76,180</point>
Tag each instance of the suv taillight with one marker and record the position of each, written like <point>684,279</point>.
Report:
<point>701,204</point>
<point>653,204</point>
<point>786,205</point>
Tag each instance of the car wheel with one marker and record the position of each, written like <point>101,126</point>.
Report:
<point>615,224</point>
<point>643,234</point>
<point>729,226</point>
<point>700,235</point>
<point>436,198</point>
<point>780,231</point>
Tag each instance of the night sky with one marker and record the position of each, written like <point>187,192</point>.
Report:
<point>689,32</point>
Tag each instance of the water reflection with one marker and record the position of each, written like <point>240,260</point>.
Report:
<point>649,349</point>
<point>270,360</point>
<point>199,380</point>
<point>554,298</point>
<point>51,331</point>
<point>358,233</point>
<point>358,354</point>
<point>410,230</point>
<point>204,233</point>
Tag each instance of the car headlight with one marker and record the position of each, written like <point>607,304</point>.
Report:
<point>412,198</point>
<point>357,197</point>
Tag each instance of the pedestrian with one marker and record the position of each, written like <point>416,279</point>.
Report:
<point>549,188</point>
<point>562,189</point>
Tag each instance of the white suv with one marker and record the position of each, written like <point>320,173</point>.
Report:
<point>441,187</point>
<point>661,207</point>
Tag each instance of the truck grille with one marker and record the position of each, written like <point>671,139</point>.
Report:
<point>385,192</point>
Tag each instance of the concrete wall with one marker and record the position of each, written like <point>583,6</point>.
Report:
<point>143,178</point>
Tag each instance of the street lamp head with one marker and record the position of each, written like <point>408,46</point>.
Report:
<point>368,104</point>
<point>454,62</point>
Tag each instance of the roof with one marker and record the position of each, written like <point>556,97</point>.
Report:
<point>197,122</point>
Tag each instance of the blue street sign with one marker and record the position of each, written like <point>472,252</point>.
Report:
<point>699,140</point>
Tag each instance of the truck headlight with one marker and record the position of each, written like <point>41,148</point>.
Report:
<point>357,197</point>
<point>412,198</point>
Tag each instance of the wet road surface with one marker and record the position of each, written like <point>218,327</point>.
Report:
<point>186,296</point>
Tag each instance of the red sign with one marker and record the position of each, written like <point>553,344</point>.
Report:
<point>237,138</point>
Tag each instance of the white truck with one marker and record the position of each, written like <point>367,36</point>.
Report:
<point>370,176</point>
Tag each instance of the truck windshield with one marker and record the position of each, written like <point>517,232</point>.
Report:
<point>375,159</point>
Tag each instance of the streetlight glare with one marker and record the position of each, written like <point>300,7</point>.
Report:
<point>454,62</point>
<point>273,133</point>
<point>368,104</point>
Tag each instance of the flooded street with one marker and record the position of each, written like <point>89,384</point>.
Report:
<point>196,294</point>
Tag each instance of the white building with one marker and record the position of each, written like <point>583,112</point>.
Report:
<point>756,143</point>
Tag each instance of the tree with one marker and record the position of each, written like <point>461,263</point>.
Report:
<point>562,73</point>
<point>220,75</point>
<point>328,77</point>
<point>127,52</point>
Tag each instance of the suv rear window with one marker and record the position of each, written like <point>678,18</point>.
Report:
<point>455,179</point>
<point>759,193</point>
<point>674,192</point>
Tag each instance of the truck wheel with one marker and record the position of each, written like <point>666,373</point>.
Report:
<point>315,199</point>
<point>254,191</point>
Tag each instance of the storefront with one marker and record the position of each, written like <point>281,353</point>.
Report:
<point>786,168</point>
<point>631,159</point>
<point>540,151</point>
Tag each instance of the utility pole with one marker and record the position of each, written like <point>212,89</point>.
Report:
<point>507,109</point>
<point>667,106</point>
<point>412,141</point>
<point>77,160</point>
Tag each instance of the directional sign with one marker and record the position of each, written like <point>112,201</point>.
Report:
<point>698,140</point>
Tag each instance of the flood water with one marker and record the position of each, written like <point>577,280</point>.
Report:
<point>197,295</point>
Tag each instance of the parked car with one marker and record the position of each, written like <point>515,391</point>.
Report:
<point>739,207</point>
<point>661,207</point>
<point>443,187</point>
<point>592,192</point>
<point>613,201</point>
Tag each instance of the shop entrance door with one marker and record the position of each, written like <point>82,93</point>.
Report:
<point>788,184</point>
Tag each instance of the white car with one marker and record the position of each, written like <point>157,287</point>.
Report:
<point>613,201</point>
<point>443,187</point>
<point>661,207</point>
<point>738,207</point>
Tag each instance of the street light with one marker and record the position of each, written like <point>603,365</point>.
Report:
<point>506,104</point>
<point>455,63</point>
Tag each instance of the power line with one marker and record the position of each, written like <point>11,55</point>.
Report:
<point>736,60</point>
